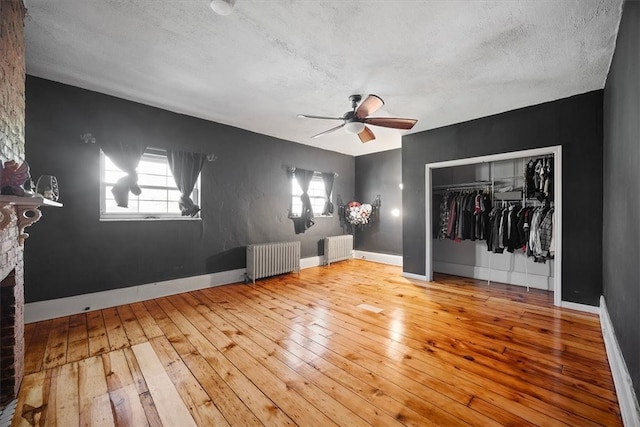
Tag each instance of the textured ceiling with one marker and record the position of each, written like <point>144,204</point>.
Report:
<point>440,62</point>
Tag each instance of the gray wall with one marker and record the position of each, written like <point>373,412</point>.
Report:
<point>245,197</point>
<point>576,124</point>
<point>380,173</point>
<point>621,231</point>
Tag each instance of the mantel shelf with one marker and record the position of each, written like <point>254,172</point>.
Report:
<point>28,201</point>
<point>26,209</point>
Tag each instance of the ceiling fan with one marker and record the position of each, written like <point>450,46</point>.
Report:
<point>355,121</point>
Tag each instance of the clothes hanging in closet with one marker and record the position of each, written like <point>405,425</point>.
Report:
<point>538,177</point>
<point>464,215</point>
<point>528,228</point>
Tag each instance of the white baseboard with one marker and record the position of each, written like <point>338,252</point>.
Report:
<point>627,399</point>
<point>378,257</point>
<point>50,309</point>
<point>580,307</point>
<point>535,281</point>
<point>314,261</point>
<point>414,276</point>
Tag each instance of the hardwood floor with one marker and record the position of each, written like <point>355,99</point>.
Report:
<point>312,350</point>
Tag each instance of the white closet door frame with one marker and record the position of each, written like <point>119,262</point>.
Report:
<point>556,150</point>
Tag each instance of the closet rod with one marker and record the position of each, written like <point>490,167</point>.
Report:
<point>544,156</point>
<point>479,184</point>
<point>527,202</point>
<point>502,178</point>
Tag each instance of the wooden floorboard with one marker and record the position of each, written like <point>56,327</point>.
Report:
<point>350,344</point>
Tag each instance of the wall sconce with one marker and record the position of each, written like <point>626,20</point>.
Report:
<point>395,212</point>
<point>401,186</point>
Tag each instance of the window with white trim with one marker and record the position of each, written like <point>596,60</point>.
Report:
<point>316,193</point>
<point>159,197</point>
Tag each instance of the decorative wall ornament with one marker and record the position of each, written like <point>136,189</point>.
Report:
<point>14,176</point>
<point>47,187</point>
<point>359,214</point>
<point>27,215</point>
<point>88,138</point>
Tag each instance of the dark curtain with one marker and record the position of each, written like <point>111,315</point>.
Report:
<point>123,141</point>
<point>186,167</point>
<point>328,178</point>
<point>126,156</point>
<point>303,177</point>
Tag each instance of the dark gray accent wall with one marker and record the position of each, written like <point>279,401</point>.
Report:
<point>380,173</point>
<point>621,230</point>
<point>576,124</point>
<point>245,197</point>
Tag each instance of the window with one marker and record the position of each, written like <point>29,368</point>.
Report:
<point>159,197</point>
<point>316,194</point>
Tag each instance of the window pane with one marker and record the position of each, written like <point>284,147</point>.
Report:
<point>295,188</point>
<point>317,205</point>
<point>108,164</point>
<point>112,176</point>
<point>155,180</point>
<point>112,207</point>
<point>153,194</point>
<point>153,168</point>
<point>296,207</point>
<point>174,196</point>
<point>156,207</point>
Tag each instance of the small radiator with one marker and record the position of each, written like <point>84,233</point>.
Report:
<point>338,248</point>
<point>271,259</point>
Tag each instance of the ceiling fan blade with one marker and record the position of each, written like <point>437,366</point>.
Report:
<point>369,106</point>
<point>366,135</point>
<point>306,116</point>
<point>391,122</point>
<point>329,131</point>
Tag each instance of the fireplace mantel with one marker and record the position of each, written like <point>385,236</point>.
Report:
<point>26,209</point>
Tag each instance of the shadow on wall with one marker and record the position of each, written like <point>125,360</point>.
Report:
<point>228,260</point>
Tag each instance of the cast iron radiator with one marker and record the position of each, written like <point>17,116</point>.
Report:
<point>338,248</point>
<point>270,259</point>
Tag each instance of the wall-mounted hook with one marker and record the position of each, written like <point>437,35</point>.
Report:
<point>88,138</point>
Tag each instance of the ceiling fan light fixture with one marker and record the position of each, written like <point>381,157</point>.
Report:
<point>354,127</point>
<point>222,7</point>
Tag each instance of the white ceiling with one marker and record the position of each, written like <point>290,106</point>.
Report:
<point>440,62</point>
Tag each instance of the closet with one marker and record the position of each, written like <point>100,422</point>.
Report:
<point>496,219</point>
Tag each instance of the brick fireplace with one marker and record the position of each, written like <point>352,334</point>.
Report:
<point>12,147</point>
<point>12,326</point>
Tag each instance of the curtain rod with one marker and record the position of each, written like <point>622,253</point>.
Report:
<point>88,138</point>
<point>293,169</point>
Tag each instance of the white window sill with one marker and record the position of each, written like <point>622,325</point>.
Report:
<point>155,218</point>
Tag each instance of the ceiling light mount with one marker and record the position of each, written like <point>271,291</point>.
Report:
<point>222,7</point>
<point>354,101</point>
<point>354,127</point>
